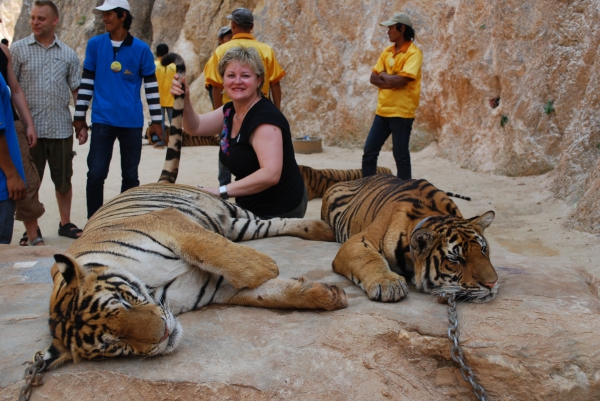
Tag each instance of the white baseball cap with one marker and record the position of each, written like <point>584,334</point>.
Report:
<point>111,5</point>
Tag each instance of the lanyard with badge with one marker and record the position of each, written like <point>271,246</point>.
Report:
<point>115,66</point>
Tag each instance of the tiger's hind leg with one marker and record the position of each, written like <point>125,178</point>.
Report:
<point>362,262</point>
<point>291,293</point>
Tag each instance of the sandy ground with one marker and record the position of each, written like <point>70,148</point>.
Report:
<point>529,221</point>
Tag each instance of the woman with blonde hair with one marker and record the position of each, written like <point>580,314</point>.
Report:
<point>256,142</point>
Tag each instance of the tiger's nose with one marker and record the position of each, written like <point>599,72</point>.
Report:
<point>491,285</point>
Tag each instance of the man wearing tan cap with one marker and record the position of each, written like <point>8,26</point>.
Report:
<point>397,74</point>
<point>242,23</point>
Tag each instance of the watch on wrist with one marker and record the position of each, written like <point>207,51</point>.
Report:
<point>223,192</point>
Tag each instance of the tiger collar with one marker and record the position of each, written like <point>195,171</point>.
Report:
<point>419,225</point>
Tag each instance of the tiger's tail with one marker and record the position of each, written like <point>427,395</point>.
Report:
<point>173,154</point>
<point>453,195</point>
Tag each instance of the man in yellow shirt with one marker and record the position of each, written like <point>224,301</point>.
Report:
<point>397,74</point>
<point>164,77</point>
<point>242,23</point>
<point>223,36</point>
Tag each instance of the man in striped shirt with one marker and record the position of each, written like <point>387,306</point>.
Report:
<point>115,66</point>
<point>48,72</point>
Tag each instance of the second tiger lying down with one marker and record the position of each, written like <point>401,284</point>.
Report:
<point>393,230</point>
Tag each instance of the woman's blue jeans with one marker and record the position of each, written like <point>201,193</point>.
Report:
<point>381,129</point>
<point>101,148</point>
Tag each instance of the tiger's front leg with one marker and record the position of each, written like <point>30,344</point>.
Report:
<point>361,261</point>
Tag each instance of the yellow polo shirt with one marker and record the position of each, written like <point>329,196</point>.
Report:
<point>164,77</point>
<point>406,62</point>
<point>273,71</point>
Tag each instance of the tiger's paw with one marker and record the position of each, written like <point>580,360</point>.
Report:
<point>254,268</point>
<point>323,296</point>
<point>392,288</point>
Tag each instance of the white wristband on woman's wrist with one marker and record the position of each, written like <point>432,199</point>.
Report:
<point>223,192</point>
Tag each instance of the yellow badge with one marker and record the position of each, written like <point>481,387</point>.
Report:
<point>391,62</point>
<point>115,66</point>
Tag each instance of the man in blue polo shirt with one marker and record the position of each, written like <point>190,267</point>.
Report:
<point>12,176</point>
<point>115,66</point>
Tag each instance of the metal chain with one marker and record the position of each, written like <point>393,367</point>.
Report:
<point>456,351</point>
<point>33,376</point>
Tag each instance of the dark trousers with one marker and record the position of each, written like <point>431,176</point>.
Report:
<point>101,148</point>
<point>7,220</point>
<point>380,131</point>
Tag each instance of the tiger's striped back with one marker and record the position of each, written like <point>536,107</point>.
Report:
<point>349,207</point>
<point>317,181</point>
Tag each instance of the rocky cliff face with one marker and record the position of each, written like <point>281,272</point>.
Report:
<point>539,58</point>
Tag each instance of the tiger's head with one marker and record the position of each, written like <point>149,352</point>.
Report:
<point>451,255</point>
<point>96,312</point>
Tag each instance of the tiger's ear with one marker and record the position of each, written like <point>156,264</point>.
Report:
<point>422,240</point>
<point>483,221</point>
<point>68,268</point>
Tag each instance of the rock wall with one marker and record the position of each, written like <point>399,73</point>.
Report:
<point>540,58</point>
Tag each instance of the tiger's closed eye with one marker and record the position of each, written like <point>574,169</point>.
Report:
<point>453,258</point>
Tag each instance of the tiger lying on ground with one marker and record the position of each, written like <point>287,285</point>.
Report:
<point>159,250</point>
<point>393,230</point>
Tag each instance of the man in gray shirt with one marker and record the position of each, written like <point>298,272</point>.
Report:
<point>48,72</point>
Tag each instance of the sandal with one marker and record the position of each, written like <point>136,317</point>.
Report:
<point>24,241</point>
<point>36,241</point>
<point>69,230</point>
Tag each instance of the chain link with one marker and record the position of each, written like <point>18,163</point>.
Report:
<point>33,376</point>
<point>456,351</point>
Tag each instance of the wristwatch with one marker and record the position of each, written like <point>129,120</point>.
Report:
<point>223,192</point>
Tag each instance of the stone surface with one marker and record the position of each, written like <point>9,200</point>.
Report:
<point>537,341</point>
<point>527,53</point>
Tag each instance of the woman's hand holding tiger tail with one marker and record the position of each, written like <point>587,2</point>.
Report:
<point>177,88</point>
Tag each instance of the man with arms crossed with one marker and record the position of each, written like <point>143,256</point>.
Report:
<point>397,74</point>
